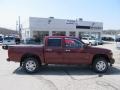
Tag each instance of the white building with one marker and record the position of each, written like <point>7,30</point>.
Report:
<point>40,27</point>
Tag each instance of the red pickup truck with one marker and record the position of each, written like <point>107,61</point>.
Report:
<point>60,50</point>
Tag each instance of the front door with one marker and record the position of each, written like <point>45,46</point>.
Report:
<point>74,53</point>
<point>54,51</point>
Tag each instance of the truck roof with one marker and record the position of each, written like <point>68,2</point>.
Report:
<point>59,37</point>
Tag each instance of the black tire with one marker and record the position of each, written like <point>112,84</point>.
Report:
<point>5,47</point>
<point>2,47</point>
<point>100,68</point>
<point>34,65</point>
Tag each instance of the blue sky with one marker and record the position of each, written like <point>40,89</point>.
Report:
<point>106,11</point>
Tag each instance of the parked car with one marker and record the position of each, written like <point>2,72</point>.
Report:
<point>99,41</point>
<point>89,41</point>
<point>108,39</point>
<point>60,50</point>
<point>8,40</point>
<point>32,41</point>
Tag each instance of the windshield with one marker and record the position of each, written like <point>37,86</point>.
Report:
<point>9,38</point>
<point>118,40</point>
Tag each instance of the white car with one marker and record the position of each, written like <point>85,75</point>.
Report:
<point>8,40</point>
<point>99,41</point>
<point>90,41</point>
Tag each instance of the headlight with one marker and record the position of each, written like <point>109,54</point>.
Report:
<point>111,53</point>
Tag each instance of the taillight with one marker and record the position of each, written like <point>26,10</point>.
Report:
<point>10,49</point>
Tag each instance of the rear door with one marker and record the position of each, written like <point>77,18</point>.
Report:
<point>54,51</point>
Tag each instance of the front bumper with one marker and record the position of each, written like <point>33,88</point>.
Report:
<point>112,61</point>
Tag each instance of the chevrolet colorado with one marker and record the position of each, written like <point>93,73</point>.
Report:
<point>60,50</point>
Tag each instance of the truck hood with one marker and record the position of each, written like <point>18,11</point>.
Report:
<point>97,50</point>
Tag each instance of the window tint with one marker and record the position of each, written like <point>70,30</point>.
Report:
<point>118,40</point>
<point>9,38</point>
<point>85,38</point>
<point>52,42</point>
<point>72,43</point>
<point>82,27</point>
<point>1,38</point>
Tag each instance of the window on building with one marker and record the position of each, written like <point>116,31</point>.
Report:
<point>72,33</point>
<point>54,42</point>
<point>58,33</point>
<point>82,27</point>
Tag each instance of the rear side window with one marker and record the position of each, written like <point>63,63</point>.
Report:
<point>54,42</point>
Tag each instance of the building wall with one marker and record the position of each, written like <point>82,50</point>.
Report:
<point>51,24</point>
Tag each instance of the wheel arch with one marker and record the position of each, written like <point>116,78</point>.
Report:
<point>29,55</point>
<point>100,55</point>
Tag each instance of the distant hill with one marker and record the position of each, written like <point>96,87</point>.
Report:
<point>5,31</point>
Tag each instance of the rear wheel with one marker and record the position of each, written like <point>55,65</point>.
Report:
<point>31,65</point>
<point>100,65</point>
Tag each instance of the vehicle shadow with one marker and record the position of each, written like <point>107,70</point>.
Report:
<point>68,70</point>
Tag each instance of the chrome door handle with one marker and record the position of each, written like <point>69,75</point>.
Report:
<point>67,50</point>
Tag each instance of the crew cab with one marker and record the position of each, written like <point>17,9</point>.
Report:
<point>60,50</point>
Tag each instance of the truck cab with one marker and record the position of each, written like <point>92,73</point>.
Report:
<point>62,49</point>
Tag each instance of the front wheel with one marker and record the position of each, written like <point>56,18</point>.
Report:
<point>100,65</point>
<point>31,65</point>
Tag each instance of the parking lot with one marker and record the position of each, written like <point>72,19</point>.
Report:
<point>59,77</point>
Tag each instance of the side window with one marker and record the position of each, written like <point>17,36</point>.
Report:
<point>72,43</point>
<point>54,42</point>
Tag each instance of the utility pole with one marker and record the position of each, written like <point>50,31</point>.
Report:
<point>19,27</point>
<point>16,26</point>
